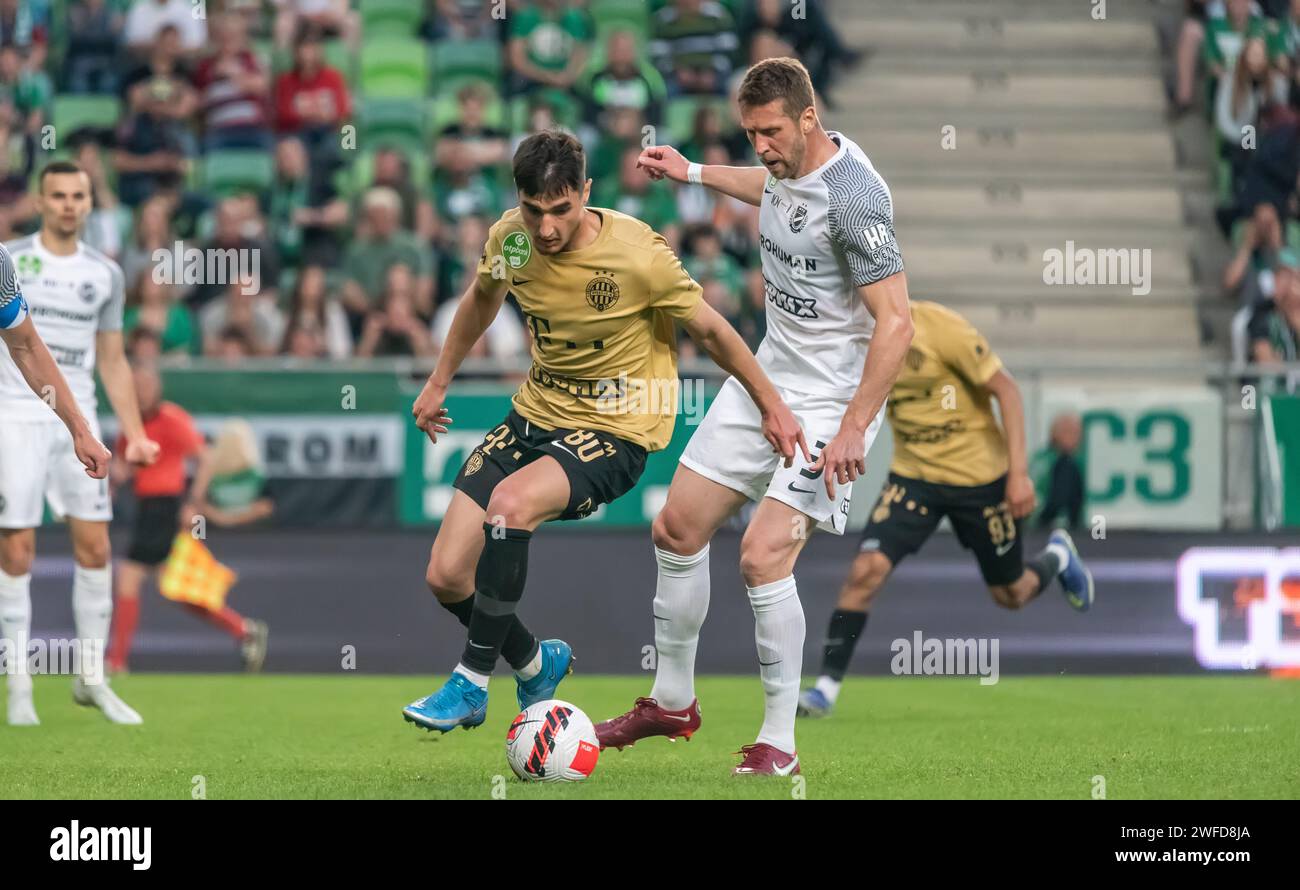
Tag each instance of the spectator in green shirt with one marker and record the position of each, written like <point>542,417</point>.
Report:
<point>550,41</point>
<point>695,46</point>
<point>154,306</point>
<point>1226,35</point>
<point>624,82</point>
<point>25,95</point>
<point>637,195</point>
<point>370,257</point>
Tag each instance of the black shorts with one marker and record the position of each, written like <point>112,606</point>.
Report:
<point>157,520</point>
<point>909,510</point>
<point>601,467</point>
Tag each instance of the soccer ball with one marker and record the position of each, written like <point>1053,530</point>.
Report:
<point>552,741</point>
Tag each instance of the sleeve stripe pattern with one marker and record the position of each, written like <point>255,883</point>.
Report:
<point>858,206</point>
<point>13,309</point>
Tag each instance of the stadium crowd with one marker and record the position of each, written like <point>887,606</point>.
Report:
<point>366,172</point>
<point>1250,53</point>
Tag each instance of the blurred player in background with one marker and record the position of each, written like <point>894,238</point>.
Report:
<point>834,279</point>
<point>160,492</point>
<point>76,296</point>
<point>601,291</point>
<point>951,458</point>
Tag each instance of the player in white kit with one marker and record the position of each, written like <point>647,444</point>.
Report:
<point>75,297</point>
<point>834,279</point>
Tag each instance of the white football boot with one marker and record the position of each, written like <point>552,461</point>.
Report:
<point>101,696</point>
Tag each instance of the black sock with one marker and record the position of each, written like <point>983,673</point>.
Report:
<point>520,645</point>
<point>498,587</point>
<point>841,637</point>
<point>1046,565</point>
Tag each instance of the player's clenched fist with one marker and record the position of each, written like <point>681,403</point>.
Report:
<point>429,413</point>
<point>1021,499</point>
<point>92,454</point>
<point>659,161</point>
<point>141,452</point>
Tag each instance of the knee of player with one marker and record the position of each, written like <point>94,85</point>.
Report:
<point>509,508</point>
<point>669,532</point>
<point>17,552</point>
<point>444,581</point>
<point>762,561</point>
<point>93,554</point>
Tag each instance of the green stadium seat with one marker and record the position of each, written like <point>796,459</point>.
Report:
<point>72,112</point>
<point>457,59</point>
<point>394,68</point>
<point>237,170</point>
<point>398,121</point>
<point>390,18</point>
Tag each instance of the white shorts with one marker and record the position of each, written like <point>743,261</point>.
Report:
<point>37,463</point>
<point>729,448</point>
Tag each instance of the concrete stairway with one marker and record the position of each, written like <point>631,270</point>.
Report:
<point>1059,136</point>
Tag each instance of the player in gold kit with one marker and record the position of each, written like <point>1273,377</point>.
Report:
<point>951,458</point>
<point>601,292</point>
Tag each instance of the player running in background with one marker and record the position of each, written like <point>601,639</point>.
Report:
<point>600,291</point>
<point>835,282</point>
<point>951,458</point>
<point>75,296</point>
<point>160,492</point>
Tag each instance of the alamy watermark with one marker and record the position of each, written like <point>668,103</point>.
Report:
<point>664,396</point>
<point>1108,265</point>
<point>191,265</point>
<point>932,656</point>
<point>74,657</point>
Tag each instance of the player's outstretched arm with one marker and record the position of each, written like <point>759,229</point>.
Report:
<point>743,183</point>
<point>722,344</point>
<point>115,373</point>
<point>42,374</point>
<point>477,309</point>
<point>844,459</point>
<point>1020,488</point>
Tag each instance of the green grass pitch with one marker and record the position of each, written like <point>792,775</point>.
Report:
<point>343,737</point>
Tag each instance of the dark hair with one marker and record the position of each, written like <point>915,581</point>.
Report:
<point>549,163</point>
<point>139,334</point>
<point>54,167</point>
<point>779,78</point>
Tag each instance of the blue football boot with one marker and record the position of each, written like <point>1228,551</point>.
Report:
<point>557,663</point>
<point>458,703</point>
<point>1076,580</point>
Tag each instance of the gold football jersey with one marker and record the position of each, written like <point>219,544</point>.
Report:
<point>944,428</point>
<point>604,347</point>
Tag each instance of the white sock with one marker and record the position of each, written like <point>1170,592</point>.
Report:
<point>16,626</point>
<point>779,635</point>
<point>533,668</point>
<point>479,680</point>
<point>829,688</point>
<point>1062,553</point>
<point>92,611</point>
<point>681,602</point>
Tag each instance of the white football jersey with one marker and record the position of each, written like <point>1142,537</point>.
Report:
<point>70,299</point>
<point>821,236</point>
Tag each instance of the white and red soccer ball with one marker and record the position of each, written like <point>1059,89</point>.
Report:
<point>552,741</point>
